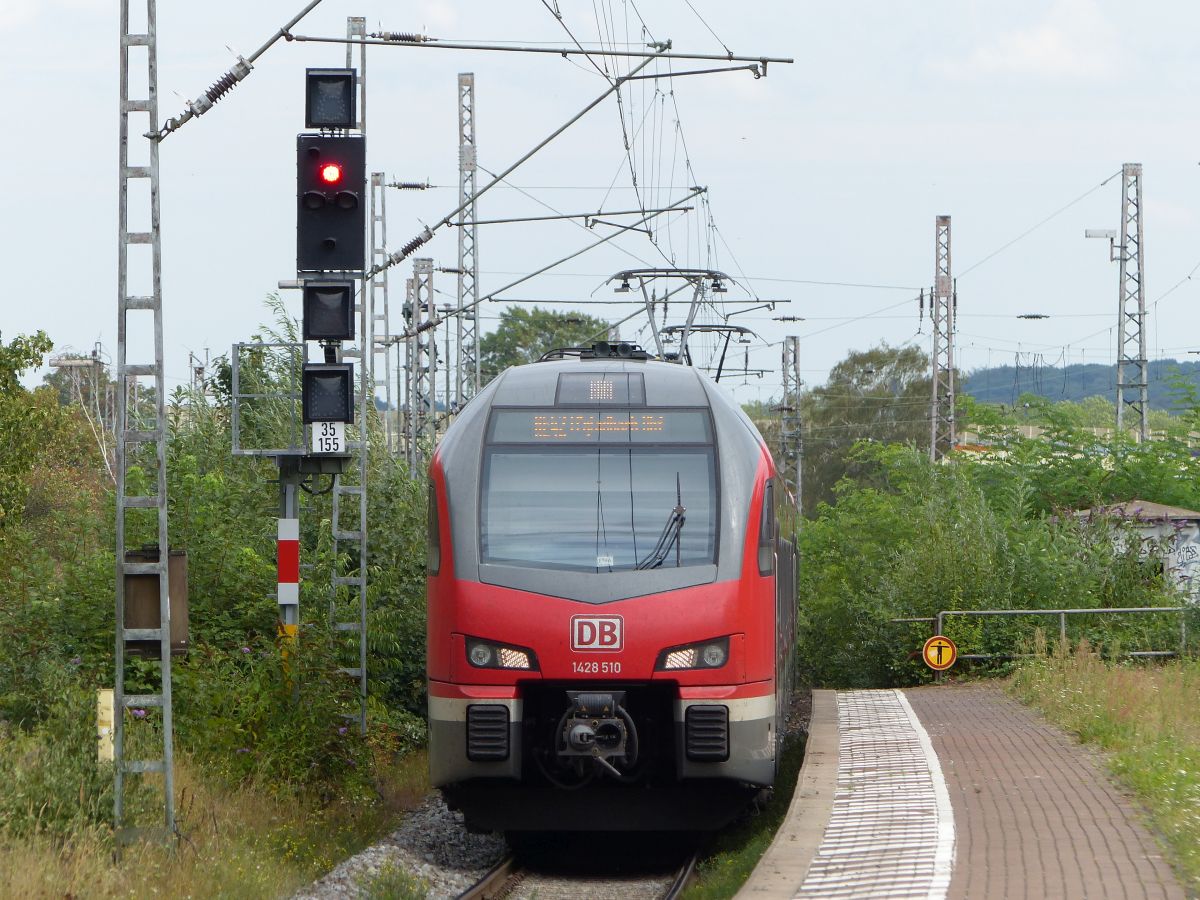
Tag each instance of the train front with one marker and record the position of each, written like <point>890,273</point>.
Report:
<point>602,637</point>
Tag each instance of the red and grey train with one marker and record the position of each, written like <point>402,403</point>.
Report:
<point>611,604</point>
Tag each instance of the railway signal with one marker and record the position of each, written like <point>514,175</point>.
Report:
<point>331,181</point>
<point>329,98</point>
<point>328,310</point>
<point>328,392</point>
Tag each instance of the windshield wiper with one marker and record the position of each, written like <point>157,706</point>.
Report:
<point>669,536</point>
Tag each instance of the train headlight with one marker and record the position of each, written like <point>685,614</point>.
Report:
<point>480,655</point>
<point>714,655</point>
<point>488,655</point>
<point>701,655</point>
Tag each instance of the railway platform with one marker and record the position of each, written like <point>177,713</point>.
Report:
<point>954,791</point>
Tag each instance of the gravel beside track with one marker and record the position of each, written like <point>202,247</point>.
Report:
<point>431,844</point>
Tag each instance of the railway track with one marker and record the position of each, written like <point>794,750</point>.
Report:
<point>514,879</point>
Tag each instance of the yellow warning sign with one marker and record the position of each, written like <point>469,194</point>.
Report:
<point>939,653</point>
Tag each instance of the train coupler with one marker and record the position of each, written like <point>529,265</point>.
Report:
<point>597,728</point>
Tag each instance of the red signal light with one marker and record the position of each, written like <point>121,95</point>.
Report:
<point>331,173</point>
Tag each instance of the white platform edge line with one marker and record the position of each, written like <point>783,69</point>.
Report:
<point>944,853</point>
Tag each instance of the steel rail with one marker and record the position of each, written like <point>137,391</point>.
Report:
<point>493,880</point>
<point>507,875</point>
<point>684,877</point>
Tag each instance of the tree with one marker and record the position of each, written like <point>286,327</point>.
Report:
<point>21,353</point>
<point>523,335</point>
<point>24,421</point>
<point>880,395</point>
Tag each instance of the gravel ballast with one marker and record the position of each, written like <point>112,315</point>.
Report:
<point>431,844</point>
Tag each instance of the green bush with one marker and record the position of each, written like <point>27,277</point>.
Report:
<point>234,710</point>
<point>249,712</point>
<point>907,539</point>
<point>52,782</point>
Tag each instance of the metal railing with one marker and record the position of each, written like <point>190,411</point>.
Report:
<point>273,357</point>
<point>939,622</point>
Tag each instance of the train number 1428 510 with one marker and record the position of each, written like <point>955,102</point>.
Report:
<point>593,667</point>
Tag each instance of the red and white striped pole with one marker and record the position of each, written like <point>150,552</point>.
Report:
<point>288,554</point>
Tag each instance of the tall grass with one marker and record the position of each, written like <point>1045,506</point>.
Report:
<point>247,842</point>
<point>734,852</point>
<point>1148,719</point>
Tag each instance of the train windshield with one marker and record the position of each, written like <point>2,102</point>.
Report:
<point>599,492</point>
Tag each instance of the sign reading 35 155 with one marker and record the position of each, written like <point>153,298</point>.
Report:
<point>329,437</point>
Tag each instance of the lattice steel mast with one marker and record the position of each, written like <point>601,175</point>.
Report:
<point>409,428</point>
<point>942,309</point>
<point>467,381</point>
<point>422,366</point>
<point>142,427</point>
<point>1132,374</point>
<point>791,438</point>
<point>383,344</point>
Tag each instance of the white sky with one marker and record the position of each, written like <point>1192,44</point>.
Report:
<point>831,170</point>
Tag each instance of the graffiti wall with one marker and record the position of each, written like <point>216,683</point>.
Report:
<point>1183,560</point>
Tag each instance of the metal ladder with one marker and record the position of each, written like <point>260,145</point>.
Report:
<point>423,367</point>
<point>349,614</point>
<point>342,607</point>
<point>382,344</point>
<point>140,431</point>
<point>411,414</point>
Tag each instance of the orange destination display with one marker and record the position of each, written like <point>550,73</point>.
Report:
<point>617,426</point>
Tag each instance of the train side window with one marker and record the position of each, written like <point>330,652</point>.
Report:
<point>766,531</point>
<point>433,559</point>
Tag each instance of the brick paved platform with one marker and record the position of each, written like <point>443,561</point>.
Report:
<point>1033,813</point>
<point>1036,814</point>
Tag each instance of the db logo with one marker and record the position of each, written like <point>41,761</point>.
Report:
<point>596,633</point>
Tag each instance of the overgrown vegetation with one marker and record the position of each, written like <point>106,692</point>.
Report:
<point>269,733</point>
<point>907,539</point>
<point>1146,718</point>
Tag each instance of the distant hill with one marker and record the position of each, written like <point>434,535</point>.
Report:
<point>1004,384</point>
